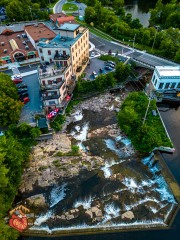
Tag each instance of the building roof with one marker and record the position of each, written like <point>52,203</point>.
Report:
<point>54,16</point>
<point>61,42</point>
<point>168,71</point>
<point>10,39</point>
<point>65,19</point>
<point>69,27</point>
<point>38,31</point>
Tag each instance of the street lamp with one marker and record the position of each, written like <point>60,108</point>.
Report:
<point>157,28</point>
<point>133,42</point>
<point>31,13</point>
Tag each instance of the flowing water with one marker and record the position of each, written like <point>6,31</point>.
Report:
<point>158,199</point>
<point>124,183</point>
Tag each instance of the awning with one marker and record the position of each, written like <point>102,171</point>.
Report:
<point>31,53</point>
<point>6,58</point>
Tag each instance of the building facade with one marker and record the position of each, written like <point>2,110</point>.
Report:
<point>166,77</point>
<point>62,58</point>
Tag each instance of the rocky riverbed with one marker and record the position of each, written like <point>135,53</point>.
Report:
<point>106,185</point>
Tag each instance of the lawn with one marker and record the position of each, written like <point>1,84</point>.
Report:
<point>70,7</point>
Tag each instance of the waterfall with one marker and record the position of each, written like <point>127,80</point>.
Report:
<point>57,194</point>
<point>82,134</point>
<point>110,212</point>
<point>86,203</point>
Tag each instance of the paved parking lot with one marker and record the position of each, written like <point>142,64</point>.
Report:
<point>95,65</point>
<point>35,104</point>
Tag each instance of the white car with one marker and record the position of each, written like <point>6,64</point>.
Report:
<point>94,74</point>
<point>93,54</point>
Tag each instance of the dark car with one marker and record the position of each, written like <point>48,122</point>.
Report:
<point>23,95</point>
<point>22,90</point>
<point>108,67</point>
<point>21,85</point>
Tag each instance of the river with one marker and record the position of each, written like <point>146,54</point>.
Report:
<point>171,117</point>
<point>140,9</point>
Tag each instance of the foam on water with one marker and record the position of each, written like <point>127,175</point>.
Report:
<point>126,141</point>
<point>110,212</point>
<point>82,134</point>
<point>57,194</point>
<point>86,203</point>
<point>82,147</point>
<point>43,218</point>
<point>78,116</point>
<point>130,184</point>
<point>164,190</point>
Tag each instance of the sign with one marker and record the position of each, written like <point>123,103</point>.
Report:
<point>21,218</point>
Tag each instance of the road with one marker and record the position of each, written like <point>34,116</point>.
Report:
<point>142,56</point>
<point>58,7</point>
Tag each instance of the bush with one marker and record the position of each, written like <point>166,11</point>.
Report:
<point>58,122</point>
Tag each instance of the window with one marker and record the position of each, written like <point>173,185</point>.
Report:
<point>178,86</point>
<point>43,82</point>
<point>49,82</point>
<point>59,79</point>
<point>49,52</point>
<point>42,58</point>
<point>173,85</point>
<point>40,50</point>
<point>52,103</point>
<point>155,82</point>
<point>161,85</point>
<point>72,49</point>
<point>167,85</point>
<point>67,73</point>
<point>64,52</point>
<point>153,79</point>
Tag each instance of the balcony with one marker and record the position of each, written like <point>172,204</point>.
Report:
<point>56,96</point>
<point>52,86</point>
<point>59,56</point>
<point>46,71</point>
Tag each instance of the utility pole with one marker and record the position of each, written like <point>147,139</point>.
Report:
<point>146,111</point>
<point>154,40</point>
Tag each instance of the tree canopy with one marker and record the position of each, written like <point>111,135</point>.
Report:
<point>10,106</point>
<point>145,137</point>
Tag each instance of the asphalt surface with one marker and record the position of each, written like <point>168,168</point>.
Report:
<point>95,65</point>
<point>35,104</point>
<point>142,56</point>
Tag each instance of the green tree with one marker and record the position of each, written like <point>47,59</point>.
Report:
<point>122,71</point>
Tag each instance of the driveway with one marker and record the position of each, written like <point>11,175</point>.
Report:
<point>35,104</point>
<point>95,65</point>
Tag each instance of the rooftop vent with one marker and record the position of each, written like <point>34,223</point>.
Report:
<point>19,36</point>
<point>5,50</point>
<point>24,42</point>
<point>2,43</point>
<point>26,47</point>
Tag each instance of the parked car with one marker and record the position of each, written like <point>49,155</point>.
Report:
<point>110,65</point>
<point>107,67</point>
<point>23,95</point>
<point>93,54</point>
<point>21,90</point>
<point>111,62</point>
<point>25,100</point>
<point>21,85</point>
<point>94,74</point>
<point>16,79</point>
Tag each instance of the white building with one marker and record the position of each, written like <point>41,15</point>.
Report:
<point>166,77</point>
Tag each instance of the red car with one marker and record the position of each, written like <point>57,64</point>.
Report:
<point>53,113</point>
<point>25,100</point>
<point>16,79</point>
